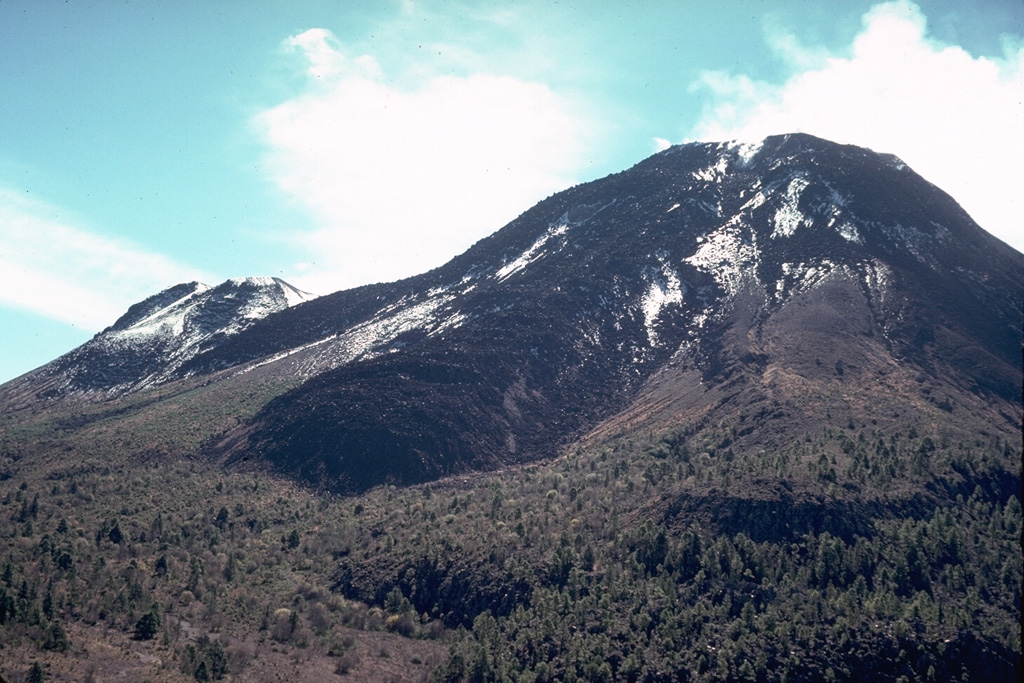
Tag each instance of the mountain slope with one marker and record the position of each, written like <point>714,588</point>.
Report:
<point>709,281</point>
<point>779,288</point>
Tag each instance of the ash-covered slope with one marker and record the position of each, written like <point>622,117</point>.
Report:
<point>155,338</point>
<point>776,286</point>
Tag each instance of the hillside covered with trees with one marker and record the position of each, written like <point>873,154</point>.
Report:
<point>850,555</point>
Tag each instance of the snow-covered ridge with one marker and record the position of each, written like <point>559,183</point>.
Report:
<point>292,295</point>
<point>236,302</point>
<point>161,334</point>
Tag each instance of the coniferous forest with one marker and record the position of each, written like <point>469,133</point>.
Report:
<point>849,555</point>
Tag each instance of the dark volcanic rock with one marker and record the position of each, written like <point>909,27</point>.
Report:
<point>709,280</point>
<point>779,288</point>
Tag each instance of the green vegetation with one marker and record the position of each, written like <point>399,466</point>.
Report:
<point>850,555</point>
<point>202,568</point>
<point>620,565</point>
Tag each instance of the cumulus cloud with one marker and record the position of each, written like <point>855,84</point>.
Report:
<point>401,178</point>
<point>953,117</point>
<point>53,268</point>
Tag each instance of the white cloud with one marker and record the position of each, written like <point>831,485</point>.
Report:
<point>401,178</point>
<point>53,268</point>
<point>661,144</point>
<point>954,118</point>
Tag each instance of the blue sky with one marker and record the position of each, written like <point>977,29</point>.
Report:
<point>338,143</point>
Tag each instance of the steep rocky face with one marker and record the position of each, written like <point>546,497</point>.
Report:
<point>777,287</point>
<point>156,337</point>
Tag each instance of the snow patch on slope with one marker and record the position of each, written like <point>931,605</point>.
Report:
<point>878,278</point>
<point>725,256</point>
<point>713,172</point>
<point>665,288</point>
<point>534,252</point>
<point>362,340</point>
<point>788,218</point>
<point>166,321</point>
<point>746,151</point>
<point>848,231</point>
<point>754,202</point>
<point>380,335</point>
<point>277,295</point>
<point>801,277</point>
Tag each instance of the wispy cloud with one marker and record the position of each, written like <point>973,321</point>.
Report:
<point>953,117</point>
<point>400,178</point>
<point>54,268</point>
